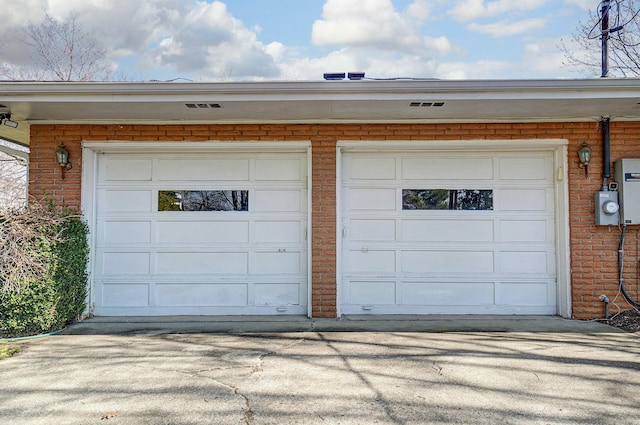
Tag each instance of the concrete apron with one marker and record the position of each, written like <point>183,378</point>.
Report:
<point>581,373</point>
<point>363,323</point>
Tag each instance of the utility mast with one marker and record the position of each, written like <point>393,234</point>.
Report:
<point>604,35</point>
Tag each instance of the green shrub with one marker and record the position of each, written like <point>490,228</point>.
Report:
<point>43,272</point>
<point>70,277</point>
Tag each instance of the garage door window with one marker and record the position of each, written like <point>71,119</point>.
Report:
<point>203,200</point>
<point>447,199</point>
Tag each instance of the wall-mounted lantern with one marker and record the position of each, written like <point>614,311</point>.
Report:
<point>62,156</point>
<point>584,155</point>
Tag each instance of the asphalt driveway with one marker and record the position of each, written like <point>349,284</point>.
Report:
<point>576,375</point>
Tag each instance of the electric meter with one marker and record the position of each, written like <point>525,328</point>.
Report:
<point>610,207</point>
<point>607,208</point>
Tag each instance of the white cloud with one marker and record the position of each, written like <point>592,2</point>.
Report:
<point>478,70</point>
<point>420,9</point>
<point>276,50</point>
<point>202,40</point>
<point>372,24</point>
<point>14,15</point>
<point>585,4</point>
<point>392,66</point>
<point>543,58</point>
<point>174,37</point>
<point>376,64</point>
<point>469,10</point>
<point>508,29</point>
<point>211,42</point>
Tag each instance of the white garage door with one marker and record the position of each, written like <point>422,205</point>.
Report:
<point>220,233</point>
<point>448,232</point>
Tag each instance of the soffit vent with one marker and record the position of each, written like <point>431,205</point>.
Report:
<point>203,105</point>
<point>426,104</point>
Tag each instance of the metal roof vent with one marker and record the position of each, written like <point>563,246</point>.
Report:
<point>426,104</point>
<point>334,76</point>
<point>203,105</point>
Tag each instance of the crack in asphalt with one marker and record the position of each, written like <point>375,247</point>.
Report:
<point>248,413</point>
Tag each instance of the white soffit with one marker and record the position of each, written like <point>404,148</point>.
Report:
<point>322,101</point>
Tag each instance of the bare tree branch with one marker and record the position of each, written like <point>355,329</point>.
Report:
<point>584,52</point>
<point>61,51</point>
<point>20,230</point>
<point>13,180</point>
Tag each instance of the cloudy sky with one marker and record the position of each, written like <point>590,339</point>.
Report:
<point>241,40</point>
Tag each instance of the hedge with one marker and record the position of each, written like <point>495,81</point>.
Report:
<point>41,297</point>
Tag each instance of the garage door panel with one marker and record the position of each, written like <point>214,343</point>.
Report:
<point>125,295</point>
<point>184,232</point>
<point>435,230</point>
<point>124,263</point>
<point>448,293</point>
<point>201,294</point>
<point>372,292</point>
<point>206,169</point>
<point>286,262</point>
<point>524,262</point>
<point>447,261</point>
<point>276,294</point>
<point>524,169</point>
<point>123,201</point>
<point>191,263</point>
<point>278,201</point>
<point>372,230</point>
<point>524,231</point>
<point>372,199</point>
<point>370,261</point>
<point>447,168</point>
<point>122,169</point>
<point>154,260</point>
<point>372,169</point>
<point>273,231</point>
<point>124,232</point>
<point>446,254</point>
<point>524,293</point>
<point>523,200</point>
<point>278,170</point>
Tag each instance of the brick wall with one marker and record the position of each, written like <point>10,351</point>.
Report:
<point>593,248</point>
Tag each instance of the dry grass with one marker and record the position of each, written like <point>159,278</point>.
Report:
<point>7,350</point>
<point>628,320</point>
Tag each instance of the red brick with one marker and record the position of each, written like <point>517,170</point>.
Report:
<point>593,248</point>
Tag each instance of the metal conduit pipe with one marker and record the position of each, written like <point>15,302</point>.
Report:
<point>605,300</point>
<point>623,290</point>
<point>606,151</point>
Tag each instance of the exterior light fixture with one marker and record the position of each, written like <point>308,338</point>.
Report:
<point>8,121</point>
<point>62,156</point>
<point>584,155</point>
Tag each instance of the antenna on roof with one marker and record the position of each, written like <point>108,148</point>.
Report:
<point>604,27</point>
<point>609,10</point>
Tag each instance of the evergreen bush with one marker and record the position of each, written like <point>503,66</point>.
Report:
<point>43,258</point>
